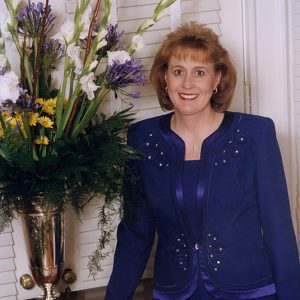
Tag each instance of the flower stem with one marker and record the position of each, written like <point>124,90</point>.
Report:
<point>91,29</point>
<point>60,99</point>
<point>39,49</point>
<point>90,112</point>
<point>88,47</point>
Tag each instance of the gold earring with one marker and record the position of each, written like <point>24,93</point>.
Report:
<point>215,91</point>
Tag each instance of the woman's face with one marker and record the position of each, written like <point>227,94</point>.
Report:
<point>191,80</point>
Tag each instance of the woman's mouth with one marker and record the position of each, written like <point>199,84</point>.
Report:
<point>188,96</point>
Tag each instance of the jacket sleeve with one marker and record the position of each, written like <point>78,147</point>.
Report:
<point>135,237</point>
<point>275,216</point>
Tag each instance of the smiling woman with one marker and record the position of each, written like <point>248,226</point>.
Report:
<point>191,84</point>
<point>211,185</point>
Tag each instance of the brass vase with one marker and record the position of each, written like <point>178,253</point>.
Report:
<point>44,239</point>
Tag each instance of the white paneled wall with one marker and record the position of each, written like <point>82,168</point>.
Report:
<point>8,289</point>
<point>295,5</point>
<point>205,10</point>
<point>224,17</point>
<point>130,14</point>
<point>82,235</point>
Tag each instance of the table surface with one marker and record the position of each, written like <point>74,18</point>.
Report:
<point>143,292</point>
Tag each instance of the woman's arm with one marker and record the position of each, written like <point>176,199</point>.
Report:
<point>275,216</point>
<point>135,237</point>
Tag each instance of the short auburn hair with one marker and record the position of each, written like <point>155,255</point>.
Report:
<point>202,41</point>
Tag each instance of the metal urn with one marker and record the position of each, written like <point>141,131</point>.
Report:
<point>44,238</point>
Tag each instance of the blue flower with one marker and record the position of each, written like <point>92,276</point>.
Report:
<point>121,75</point>
<point>31,17</point>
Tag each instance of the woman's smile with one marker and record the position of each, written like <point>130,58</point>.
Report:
<point>191,82</point>
<point>188,97</point>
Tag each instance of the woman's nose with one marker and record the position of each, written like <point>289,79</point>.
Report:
<point>188,82</point>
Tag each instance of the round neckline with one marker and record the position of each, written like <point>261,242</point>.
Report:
<point>178,144</point>
<point>209,140</point>
<point>226,113</point>
<point>191,161</point>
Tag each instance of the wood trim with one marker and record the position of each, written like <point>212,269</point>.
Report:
<point>269,62</point>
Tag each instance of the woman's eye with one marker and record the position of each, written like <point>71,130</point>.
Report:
<point>200,73</point>
<point>178,72</point>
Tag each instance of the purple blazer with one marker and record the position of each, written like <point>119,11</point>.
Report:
<point>246,248</point>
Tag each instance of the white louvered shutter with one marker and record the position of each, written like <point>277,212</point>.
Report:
<point>8,280</point>
<point>224,17</point>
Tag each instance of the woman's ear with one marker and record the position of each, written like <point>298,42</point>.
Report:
<point>218,79</point>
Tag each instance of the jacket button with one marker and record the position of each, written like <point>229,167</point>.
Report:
<point>196,246</point>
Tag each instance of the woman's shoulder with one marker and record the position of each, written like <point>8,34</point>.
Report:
<point>147,124</point>
<point>252,127</point>
<point>145,128</point>
<point>246,119</point>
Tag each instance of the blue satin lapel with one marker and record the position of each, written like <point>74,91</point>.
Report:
<point>176,151</point>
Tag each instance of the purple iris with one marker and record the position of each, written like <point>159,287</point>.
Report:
<point>121,75</point>
<point>31,16</point>
<point>2,71</point>
<point>53,51</point>
<point>113,37</point>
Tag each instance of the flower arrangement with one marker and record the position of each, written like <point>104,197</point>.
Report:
<point>53,141</point>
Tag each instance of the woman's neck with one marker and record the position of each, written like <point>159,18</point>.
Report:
<point>194,129</point>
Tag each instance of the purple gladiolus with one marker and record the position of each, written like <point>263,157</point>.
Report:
<point>53,51</point>
<point>31,17</point>
<point>121,75</point>
<point>134,95</point>
<point>113,37</point>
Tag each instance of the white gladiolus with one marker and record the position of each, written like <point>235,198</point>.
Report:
<point>9,86</point>
<point>73,52</point>
<point>88,85</point>
<point>102,34</point>
<point>93,65</point>
<point>161,14</point>
<point>28,41</point>
<point>146,24</point>
<point>4,20</point>
<point>101,44</point>
<point>67,30</point>
<point>15,3</point>
<point>100,38</point>
<point>118,56</point>
<point>86,20</point>
<point>137,42</point>
<point>3,61</point>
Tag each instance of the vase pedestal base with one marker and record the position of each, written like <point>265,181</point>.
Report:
<point>49,294</point>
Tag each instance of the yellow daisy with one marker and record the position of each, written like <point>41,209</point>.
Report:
<point>6,116</point>
<point>33,119</point>
<point>49,106</point>
<point>39,101</point>
<point>19,119</point>
<point>1,132</point>
<point>12,122</point>
<point>45,122</point>
<point>42,140</point>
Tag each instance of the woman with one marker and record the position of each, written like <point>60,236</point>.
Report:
<point>211,185</point>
